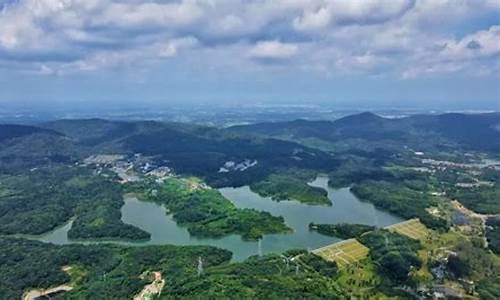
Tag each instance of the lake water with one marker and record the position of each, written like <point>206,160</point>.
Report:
<point>346,208</point>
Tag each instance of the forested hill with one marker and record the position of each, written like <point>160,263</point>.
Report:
<point>188,149</point>
<point>468,131</point>
<point>24,147</point>
<point>253,151</point>
<point>8,131</point>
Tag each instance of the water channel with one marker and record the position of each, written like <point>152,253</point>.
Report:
<point>153,218</point>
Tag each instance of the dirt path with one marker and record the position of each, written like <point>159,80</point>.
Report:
<point>153,288</point>
<point>483,217</point>
<point>460,207</point>
<point>33,294</point>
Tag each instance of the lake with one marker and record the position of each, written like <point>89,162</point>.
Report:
<point>346,208</point>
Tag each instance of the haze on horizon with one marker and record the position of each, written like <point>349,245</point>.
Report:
<point>132,53</point>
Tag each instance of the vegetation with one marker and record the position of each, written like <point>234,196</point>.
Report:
<point>292,185</point>
<point>457,257</point>
<point>395,255</point>
<point>113,272</point>
<point>489,288</point>
<point>484,199</point>
<point>474,262</point>
<point>493,234</point>
<point>400,200</point>
<point>41,187</point>
<point>205,212</point>
<point>357,168</point>
<point>99,216</point>
<point>204,156</point>
<point>368,131</point>
<point>343,231</point>
<point>106,271</point>
<point>14,131</point>
<point>189,149</point>
<point>267,277</point>
<point>45,198</point>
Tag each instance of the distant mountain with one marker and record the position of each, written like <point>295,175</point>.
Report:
<point>366,125</point>
<point>475,131</point>
<point>8,131</point>
<point>28,146</point>
<point>266,147</point>
<point>192,149</point>
<point>478,131</point>
<point>92,131</point>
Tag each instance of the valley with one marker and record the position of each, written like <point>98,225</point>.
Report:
<point>243,207</point>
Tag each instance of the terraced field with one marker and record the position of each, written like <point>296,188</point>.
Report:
<point>411,228</point>
<point>343,253</point>
<point>351,251</point>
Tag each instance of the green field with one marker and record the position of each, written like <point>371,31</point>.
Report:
<point>343,253</point>
<point>411,228</point>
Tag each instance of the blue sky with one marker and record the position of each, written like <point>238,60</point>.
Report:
<point>406,53</point>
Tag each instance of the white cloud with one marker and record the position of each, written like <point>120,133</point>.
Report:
<point>17,30</point>
<point>483,43</point>
<point>172,47</point>
<point>149,14</point>
<point>474,54</point>
<point>273,50</point>
<point>407,38</point>
<point>351,12</point>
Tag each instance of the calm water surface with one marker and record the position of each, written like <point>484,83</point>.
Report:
<point>346,208</point>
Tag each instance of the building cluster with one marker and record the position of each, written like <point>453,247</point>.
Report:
<point>128,168</point>
<point>231,166</point>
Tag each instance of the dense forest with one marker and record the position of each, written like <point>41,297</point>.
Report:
<point>267,277</point>
<point>480,199</point>
<point>400,200</point>
<point>493,233</point>
<point>42,199</point>
<point>367,131</point>
<point>395,255</point>
<point>292,185</point>
<point>113,272</point>
<point>342,230</point>
<point>97,271</point>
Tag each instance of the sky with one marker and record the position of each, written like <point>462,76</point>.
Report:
<point>113,53</point>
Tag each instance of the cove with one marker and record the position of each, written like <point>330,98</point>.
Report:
<point>153,218</point>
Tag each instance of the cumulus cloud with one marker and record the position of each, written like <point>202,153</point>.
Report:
<point>484,43</point>
<point>273,50</point>
<point>406,38</point>
<point>171,48</point>
<point>351,12</point>
<point>475,54</point>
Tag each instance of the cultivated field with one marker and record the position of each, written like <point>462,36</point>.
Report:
<point>411,228</point>
<point>343,253</point>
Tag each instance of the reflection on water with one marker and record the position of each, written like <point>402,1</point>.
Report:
<point>346,208</point>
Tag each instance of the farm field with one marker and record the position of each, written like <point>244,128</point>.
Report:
<point>411,228</point>
<point>344,253</point>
